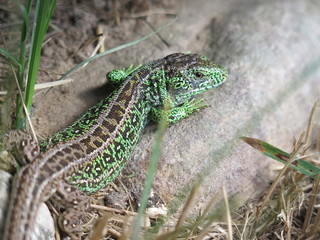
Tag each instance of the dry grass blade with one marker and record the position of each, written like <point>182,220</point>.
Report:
<point>33,132</point>
<point>102,226</point>
<point>189,204</point>
<point>310,123</point>
<point>39,86</point>
<point>185,211</point>
<point>299,145</point>
<point>311,230</point>
<point>310,209</point>
<point>229,237</point>
<point>208,223</point>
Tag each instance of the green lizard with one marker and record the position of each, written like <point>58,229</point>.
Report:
<point>89,154</point>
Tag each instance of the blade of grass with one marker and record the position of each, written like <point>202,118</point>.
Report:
<point>310,123</point>
<point>226,201</point>
<point>186,209</point>
<point>206,217</point>
<point>129,44</point>
<point>178,228</point>
<point>12,59</point>
<point>288,164</point>
<point>25,11</point>
<point>281,156</point>
<point>44,10</point>
<point>310,211</point>
<point>23,104</point>
<point>152,169</point>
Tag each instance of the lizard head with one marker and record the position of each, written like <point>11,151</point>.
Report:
<point>188,75</point>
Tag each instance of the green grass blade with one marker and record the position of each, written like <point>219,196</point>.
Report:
<point>155,156</point>
<point>266,149</point>
<point>25,27</point>
<point>51,9</point>
<point>12,59</point>
<point>44,10</point>
<point>25,17</point>
<point>115,49</point>
<point>39,31</point>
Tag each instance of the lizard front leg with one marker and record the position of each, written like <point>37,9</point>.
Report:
<point>176,114</point>
<point>118,76</point>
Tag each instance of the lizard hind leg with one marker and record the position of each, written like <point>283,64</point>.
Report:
<point>21,143</point>
<point>78,218</point>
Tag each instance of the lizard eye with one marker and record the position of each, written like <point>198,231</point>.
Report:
<point>198,74</point>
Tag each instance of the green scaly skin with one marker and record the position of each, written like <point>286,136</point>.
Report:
<point>91,152</point>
